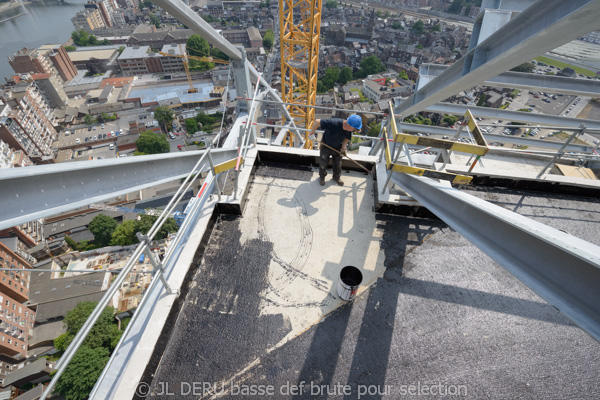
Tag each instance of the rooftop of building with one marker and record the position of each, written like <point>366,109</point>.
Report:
<point>134,52</point>
<point>431,308</point>
<point>85,55</point>
<point>175,49</point>
<point>176,92</point>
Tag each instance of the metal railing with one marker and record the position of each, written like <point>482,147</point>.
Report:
<point>143,248</point>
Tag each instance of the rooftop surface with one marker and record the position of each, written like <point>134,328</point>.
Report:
<point>434,315</point>
<point>154,93</point>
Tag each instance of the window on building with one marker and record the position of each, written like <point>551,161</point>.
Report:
<point>9,341</point>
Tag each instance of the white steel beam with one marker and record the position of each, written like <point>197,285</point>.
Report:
<point>45,190</point>
<point>561,268</point>
<point>520,80</point>
<point>541,27</point>
<point>517,116</point>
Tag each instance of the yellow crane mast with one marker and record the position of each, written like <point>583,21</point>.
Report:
<point>187,57</point>
<point>299,43</point>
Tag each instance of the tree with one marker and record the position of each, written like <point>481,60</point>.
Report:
<point>81,374</point>
<point>331,4</point>
<point>525,67</point>
<point>219,54</point>
<point>268,40</point>
<point>397,25</point>
<point>197,46</point>
<point>332,75</point>
<point>102,227</point>
<point>152,143</point>
<point>419,26</point>
<point>436,28</point>
<point>481,101</point>
<point>371,65</point>
<point>450,119</point>
<point>146,4</point>
<point>403,75</point>
<point>146,222</point>
<point>89,119</point>
<point>124,235</point>
<point>455,7</point>
<point>164,116</point>
<point>154,20</point>
<point>191,126</point>
<point>70,48</point>
<point>345,75</point>
<point>121,48</point>
<point>374,129</point>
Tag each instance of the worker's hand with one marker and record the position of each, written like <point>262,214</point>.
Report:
<point>343,151</point>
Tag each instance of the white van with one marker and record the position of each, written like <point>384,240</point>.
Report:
<point>111,147</point>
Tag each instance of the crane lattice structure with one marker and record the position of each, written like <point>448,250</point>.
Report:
<point>186,67</point>
<point>299,40</point>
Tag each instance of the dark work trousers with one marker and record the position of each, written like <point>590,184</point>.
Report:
<point>326,152</point>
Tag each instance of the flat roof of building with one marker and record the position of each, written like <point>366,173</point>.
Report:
<point>85,55</point>
<point>158,93</point>
<point>431,310</point>
<point>134,52</point>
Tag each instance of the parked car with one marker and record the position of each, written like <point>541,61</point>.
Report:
<point>77,140</point>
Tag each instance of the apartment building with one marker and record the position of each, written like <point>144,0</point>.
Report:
<point>26,121</point>
<point>132,60</point>
<point>16,320</point>
<point>172,64</point>
<point>88,20</point>
<point>30,61</point>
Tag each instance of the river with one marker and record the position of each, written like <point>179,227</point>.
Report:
<point>48,22</point>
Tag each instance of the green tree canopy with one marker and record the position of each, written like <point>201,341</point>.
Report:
<point>124,235</point>
<point>146,4</point>
<point>164,116</point>
<point>525,67</point>
<point>332,75</point>
<point>371,65</point>
<point>191,126</point>
<point>374,129</point>
<point>419,27</point>
<point>456,6</point>
<point>450,119</point>
<point>146,222</point>
<point>397,25</point>
<point>154,20</point>
<point>268,40</point>
<point>331,4</point>
<point>102,227</point>
<point>81,374</point>
<point>197,46</point>
<point>345,75</point>
<point>403,75</point>
<point>70,48</point>
<point>219,54</point>
<point>152,143</point>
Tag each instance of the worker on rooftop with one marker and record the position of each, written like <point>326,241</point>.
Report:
<point>338,133</point>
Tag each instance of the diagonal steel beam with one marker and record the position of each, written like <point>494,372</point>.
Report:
<point>520,80</point>
<point>541,27</point>
<point>517,116</point>
<point>45,190</point>
<point>559,267</point>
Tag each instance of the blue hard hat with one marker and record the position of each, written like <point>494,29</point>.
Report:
<point>355,121</point>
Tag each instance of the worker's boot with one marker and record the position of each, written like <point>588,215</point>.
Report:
<point>322,181</point>
<point>339,181</point>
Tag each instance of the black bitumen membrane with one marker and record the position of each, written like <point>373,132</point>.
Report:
<point>443,321</point>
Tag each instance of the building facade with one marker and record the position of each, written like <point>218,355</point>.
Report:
<point>132,60</point>
<point>16,320</point>
<point>89,20</point>
<point>30,61</point>
<point>28,121</point>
